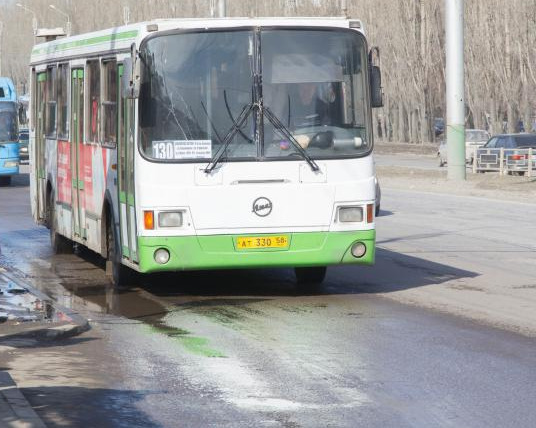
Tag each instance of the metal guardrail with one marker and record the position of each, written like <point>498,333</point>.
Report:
<point>505,161</point>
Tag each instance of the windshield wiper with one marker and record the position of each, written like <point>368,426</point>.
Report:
<point>249,140</point>
<point>286,133</point>
<point>244,114</point>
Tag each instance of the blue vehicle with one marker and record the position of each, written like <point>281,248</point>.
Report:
<point>9,135</point>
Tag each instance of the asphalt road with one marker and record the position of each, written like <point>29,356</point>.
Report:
<point>244,348</point>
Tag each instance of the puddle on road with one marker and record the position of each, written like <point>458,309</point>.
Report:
<point>193,344</point>
<point>78,282</point>
<point>133,305</point>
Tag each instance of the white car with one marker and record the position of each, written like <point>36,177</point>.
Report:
<point>474,139</point>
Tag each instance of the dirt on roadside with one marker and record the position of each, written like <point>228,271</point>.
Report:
<point>405,148</point>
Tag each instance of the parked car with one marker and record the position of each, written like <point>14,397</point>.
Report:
<point>515,153</point>
<point>439,126</point>
<point>24,136</point>
<point>474,138</point>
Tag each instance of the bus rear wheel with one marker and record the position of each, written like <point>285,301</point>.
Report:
<point>60,244</point>
<point>310,275</point>
<point>118,273</point>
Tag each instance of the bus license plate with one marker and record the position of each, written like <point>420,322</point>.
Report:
<point>252,242</point>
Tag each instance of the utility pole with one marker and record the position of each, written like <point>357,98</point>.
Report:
<point>126,15</point>
<point>222,8</point>
<point>455,90</point>
<point>34,17</point>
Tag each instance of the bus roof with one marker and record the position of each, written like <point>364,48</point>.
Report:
<point>119,39</point>
<point>7,90</point>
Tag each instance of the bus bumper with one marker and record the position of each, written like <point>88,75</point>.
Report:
<point>220,251</point>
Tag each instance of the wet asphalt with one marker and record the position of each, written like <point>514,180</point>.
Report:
<point>246,348</point>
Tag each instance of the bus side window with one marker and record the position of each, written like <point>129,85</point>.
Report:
<point>93,68</point>
<point>109,104</point>
<point>63,120</point>
<point>33,105</point>
<point>51,102</point>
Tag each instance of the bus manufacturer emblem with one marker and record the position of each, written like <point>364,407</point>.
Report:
<point>262,207</point>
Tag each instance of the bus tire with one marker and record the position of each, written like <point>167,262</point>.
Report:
<point>118,273</point>
<point>59,243</point>
<point>310,275</point>
<point>5,180</point>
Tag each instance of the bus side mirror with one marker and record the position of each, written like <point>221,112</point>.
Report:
<point>376,93</point>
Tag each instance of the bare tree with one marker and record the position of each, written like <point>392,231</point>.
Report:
<point>500,58</point>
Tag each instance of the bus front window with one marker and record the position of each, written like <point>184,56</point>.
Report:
<point>8,125</point>
<point>314,83</point>
<point>194,87</point>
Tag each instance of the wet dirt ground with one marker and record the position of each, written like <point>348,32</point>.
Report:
<point>245,348</point>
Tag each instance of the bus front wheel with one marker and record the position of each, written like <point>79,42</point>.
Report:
<point>119,274</point>
<point>5,180</point>
<point>310,275</point>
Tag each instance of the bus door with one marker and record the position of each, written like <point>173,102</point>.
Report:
<point>125,155</point>
<point>40,145</point>
<point>77,126</point>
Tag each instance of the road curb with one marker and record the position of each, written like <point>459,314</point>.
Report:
<point>72,324</point>
<point>15,410</point>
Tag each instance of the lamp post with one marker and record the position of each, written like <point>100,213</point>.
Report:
<point>455,90</point>
<point>68,29</point>
<point>34,18</point>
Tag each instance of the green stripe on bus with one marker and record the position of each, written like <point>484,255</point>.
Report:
<point>86,42</point>
<point>122,197</point>
<point>130,199</point>
<point>42,77</point>
<point>218,251</point>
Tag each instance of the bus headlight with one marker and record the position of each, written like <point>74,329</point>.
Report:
<point>161,256</point>
<point>350,214</point>
<point>170,219</point>
<point>358,250</point>
<point>11,164</point>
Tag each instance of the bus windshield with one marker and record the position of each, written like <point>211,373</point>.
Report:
<point>8,122</point>
<point>312,85</point>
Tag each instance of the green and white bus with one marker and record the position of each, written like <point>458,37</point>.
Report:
<point>191,144</point>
